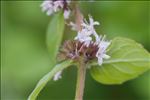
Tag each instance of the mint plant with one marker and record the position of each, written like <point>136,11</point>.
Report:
<point>109,61</point>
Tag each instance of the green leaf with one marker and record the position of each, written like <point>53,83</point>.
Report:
<point>41,84</point>
<point>128,60</point>
<point>54,35</point>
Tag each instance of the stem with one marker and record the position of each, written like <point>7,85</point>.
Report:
<point>80,81</point>
<point>82,65</point>
<point>79,17</point>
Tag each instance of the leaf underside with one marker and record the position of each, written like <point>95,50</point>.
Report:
<point>128,60</point>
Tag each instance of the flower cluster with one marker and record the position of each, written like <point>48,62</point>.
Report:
<point>84,45</point>
<point>74,49</point>
<point>52,6</point>
<point>85,36</point>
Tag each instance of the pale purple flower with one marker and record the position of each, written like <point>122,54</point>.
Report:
<point>101,53</point>
<point>85,38</point>
<point>67,14</point>
<point>47,6</point>
<point>57,76</point>
<point>58,5</point>
<point>52,6</point>
<point>90,26</point>
<point>87,30</point>
<point>73,26</point>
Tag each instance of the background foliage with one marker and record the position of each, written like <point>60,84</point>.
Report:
<point>25,57</point>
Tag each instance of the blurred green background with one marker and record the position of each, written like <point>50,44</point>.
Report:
<point>25,58</point>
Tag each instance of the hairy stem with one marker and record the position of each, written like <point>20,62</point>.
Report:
<point>80,81</point>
